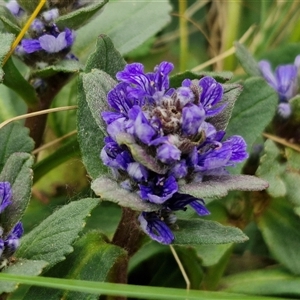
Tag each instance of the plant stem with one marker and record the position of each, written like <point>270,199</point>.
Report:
<point>127,236</point>
<point>37,124</point>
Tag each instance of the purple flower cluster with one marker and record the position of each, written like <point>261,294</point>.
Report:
<point>47,43</point>
<point>284,81</point>
<point>173,129</point>
<point>8,242</point>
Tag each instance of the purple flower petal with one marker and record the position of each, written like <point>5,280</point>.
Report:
<point>137,171</point>
<point>142,128</point>
<point>161,75</point>
<point>155,228</point>
<point>215,158</point>
<point>212,92</point>
<point>5,195</point>
<point>12,241</point>
<point>185,95</point>
<point>238,149</point>
<point>200,209</point>
<point>286,76</point>
<point>52,44</point>
<point>70,37</point>
<point>192,117</point>
<point>30,46</point>
<point>50,15</point>
<point>266,70</point>
<point>179,170</point>
<point>37,26</point>
<point>15,8</point>
<point>284,110</point>
<point>159,190</point>
<point>168,153</point>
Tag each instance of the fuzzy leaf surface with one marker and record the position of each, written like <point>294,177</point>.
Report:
<point>14,138</point>
<point>9,21</point>
<point>96,85</point>
<point>280,228</point>
<point>6,39</point>
<point>65,66</point>
<point>275,281</point>
<point>105,57</point>
<point>246,60</point>
<point>17,171</point>
<point>79,17</point>
<point>92,260</point>
<point>253,111</point>
<point>272,170</point>
<point>14,80</point>
<point>21,267</point>
<point>217,187</point>
<point>128,24</point>
<point>52,239</point>
<point>110,190</point>
<point>90,136</point>
<point>199,231</point>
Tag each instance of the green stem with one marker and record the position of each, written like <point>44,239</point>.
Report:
<point>127,236</point>
<point>183,33</point>
<point>37,124</point>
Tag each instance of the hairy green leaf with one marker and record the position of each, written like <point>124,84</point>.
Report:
<point>253,111</point>
<point>91,260</point>
<point>272,170</point>
<point>105,57</point>
<point>21,267</point>
<point>274,281</point>
<point>14,80</point>
<point>216,187</point>
<point>246,60</point>
<point>9,21</point>
<point>279,227</point>
<point>199,231</point>
<point>128,24</point>
<point>17,171</point>
<point>52,239</point>
<point>65,66</point>
<point>14,138</point>
<point>110,190</point>
<point>79,17</point>
<point>90,136</point>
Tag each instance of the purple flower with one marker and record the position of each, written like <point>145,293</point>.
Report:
<point>146,87</point>
<point>50,15</point>
<point>49,43</point>
<point>284,110</point>
<point>180,201</point>
<point>168,153</point>
<point>5,195</point>
<point>12,241</point>
<point>192,118</point>
<point>159,189</point>
<point>156,228</point>
<point>15,8</point>
<point>172,131</point>
<point>37,26</point>
<point>284,81</point>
